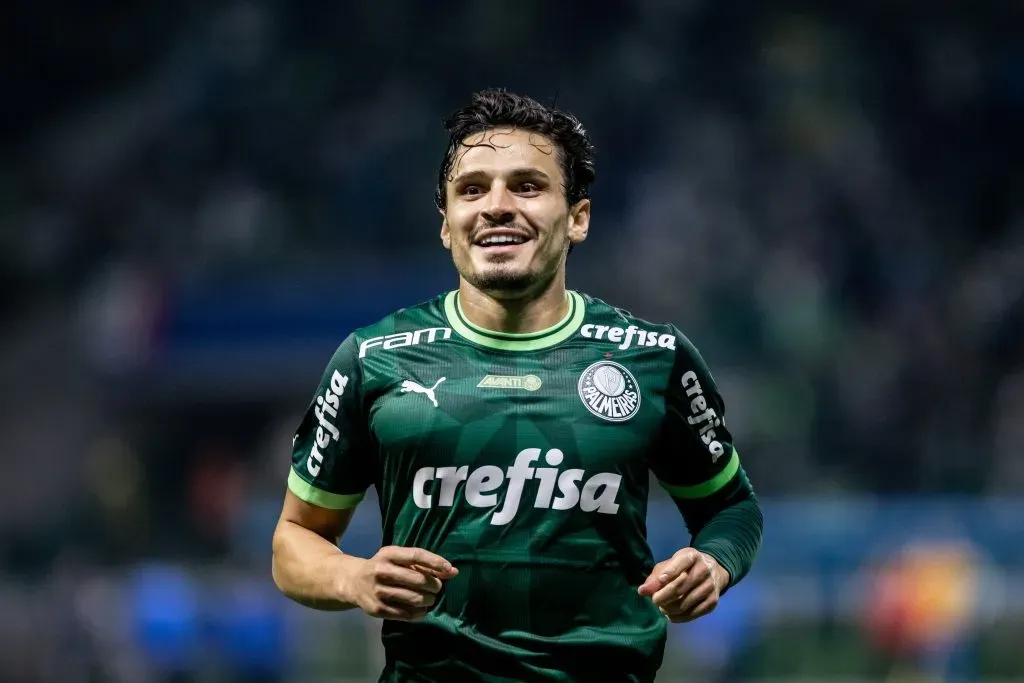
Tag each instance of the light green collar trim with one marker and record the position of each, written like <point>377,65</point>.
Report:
<point>505,341</point>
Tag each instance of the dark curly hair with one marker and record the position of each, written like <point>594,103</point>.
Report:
<point>498,108</point>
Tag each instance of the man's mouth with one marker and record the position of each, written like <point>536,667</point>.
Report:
<point>500,240</point>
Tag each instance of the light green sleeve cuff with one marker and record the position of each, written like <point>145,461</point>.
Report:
<point>710,486</point>
<point>314,496</point>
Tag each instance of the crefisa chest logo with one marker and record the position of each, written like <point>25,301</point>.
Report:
<point>609,391</point>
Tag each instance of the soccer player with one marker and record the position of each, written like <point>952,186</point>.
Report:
<point>510,428</point>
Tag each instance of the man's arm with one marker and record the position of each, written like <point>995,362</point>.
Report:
<point>726,535</point>
<point>309,568</point>
<point>307,565</point>
<point>725,523</point>
<point>699,467</point>
<point>333,464</point>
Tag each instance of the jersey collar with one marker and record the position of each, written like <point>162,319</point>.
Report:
<point>504,341</point>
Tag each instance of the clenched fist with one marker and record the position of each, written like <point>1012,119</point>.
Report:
<point>687,585</point>
<point>399,583</point>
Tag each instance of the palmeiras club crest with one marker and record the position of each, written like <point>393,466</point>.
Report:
<point>609,391</point>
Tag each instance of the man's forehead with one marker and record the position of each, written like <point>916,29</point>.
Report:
<point>506,148</point>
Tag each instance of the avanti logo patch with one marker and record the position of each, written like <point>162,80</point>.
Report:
<point>524,382</point>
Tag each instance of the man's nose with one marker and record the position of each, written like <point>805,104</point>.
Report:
<point>500,207</point>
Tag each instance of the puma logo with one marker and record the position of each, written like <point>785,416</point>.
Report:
<point>408,385</point>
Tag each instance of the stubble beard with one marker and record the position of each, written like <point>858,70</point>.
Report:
<point>503,278</point>
<point>507,280</point>
<point>511,281</point>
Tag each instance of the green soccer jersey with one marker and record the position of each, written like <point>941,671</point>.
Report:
<point>523,459</point>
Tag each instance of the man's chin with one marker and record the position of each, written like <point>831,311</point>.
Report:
<point>502,280</point>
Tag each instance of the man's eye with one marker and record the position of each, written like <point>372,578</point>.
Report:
<point>528,187</point>
<point>472,190</point>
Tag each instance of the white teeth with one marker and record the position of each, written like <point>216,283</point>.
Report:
<point>502,239</point>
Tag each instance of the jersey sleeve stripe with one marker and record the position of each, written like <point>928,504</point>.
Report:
<point>710,486</point>
<point>319,497</point>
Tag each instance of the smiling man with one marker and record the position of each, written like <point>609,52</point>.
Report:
<point>511,428</point>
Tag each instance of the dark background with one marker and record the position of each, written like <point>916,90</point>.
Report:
<point>199,200</point>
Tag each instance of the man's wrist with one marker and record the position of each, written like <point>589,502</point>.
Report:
<point>719,573</point>
<point>343,570</point>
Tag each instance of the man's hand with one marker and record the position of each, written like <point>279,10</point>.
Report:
<point>687,585</point>
<point>398,583</point>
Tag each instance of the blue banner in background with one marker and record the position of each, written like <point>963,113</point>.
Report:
<point>266,334</point>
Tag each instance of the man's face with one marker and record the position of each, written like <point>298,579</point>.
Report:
<point>507,223</point>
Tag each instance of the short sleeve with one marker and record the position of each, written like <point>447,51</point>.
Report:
<point>695,457</point>
<point>332,462</point>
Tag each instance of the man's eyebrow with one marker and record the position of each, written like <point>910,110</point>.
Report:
<point>523,172</point>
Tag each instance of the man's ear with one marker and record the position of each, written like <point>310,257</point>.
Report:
<point>579,221</point>
<point>446,233</point>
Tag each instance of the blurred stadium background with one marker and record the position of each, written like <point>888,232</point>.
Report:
<point>199,199</point>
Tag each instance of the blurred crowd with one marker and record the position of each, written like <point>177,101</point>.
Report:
<point>828,202</point>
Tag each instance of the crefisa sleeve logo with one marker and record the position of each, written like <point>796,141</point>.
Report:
<point>609,391</point>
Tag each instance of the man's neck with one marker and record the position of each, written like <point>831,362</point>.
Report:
<point>520,315</point>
